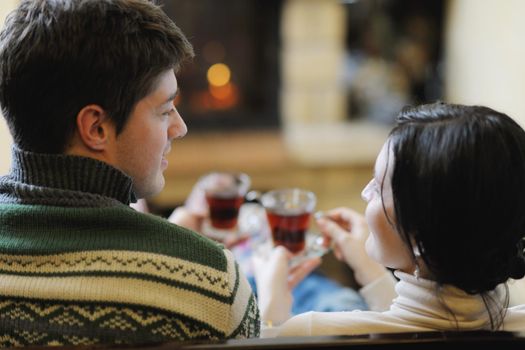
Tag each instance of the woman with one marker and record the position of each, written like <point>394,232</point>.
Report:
<point>445,212</point>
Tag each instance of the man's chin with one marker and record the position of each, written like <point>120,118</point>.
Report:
<point>150,190</point>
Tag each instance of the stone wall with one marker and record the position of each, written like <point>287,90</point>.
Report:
<point>316,129</point>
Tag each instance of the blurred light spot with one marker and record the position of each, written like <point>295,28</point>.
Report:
<point>221,92</point>
<point>219,74</point>
<point>224,97</point>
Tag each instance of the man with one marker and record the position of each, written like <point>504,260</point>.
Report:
<point>87,89</point>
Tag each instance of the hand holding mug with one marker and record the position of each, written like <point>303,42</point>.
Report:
<point>212,207</point>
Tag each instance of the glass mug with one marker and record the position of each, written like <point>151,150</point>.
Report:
<point>225,193</point>
<point>288,211</point>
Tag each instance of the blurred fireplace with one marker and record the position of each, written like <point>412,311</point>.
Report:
<point>233,82</point>
<point>329,74</point>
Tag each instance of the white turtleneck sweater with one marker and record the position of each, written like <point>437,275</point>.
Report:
<point>416,308</point>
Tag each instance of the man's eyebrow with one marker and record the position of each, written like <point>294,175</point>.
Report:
<point>171,97</point>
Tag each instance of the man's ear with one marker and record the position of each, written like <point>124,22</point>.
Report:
<point>94,127</point>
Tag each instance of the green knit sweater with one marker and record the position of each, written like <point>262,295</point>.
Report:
<point>79,266</point>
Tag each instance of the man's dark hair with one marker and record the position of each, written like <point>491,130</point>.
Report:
<point>57,56</point>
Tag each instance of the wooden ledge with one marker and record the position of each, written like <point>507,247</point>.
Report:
<point>388,341</point>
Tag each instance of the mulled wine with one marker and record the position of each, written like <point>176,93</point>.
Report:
<point>224,211</point>
<point>288,229</point>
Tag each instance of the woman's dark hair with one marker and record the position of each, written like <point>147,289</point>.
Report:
<point>58,56</point>
<point>458,185</point>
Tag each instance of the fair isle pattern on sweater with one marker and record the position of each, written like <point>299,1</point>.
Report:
<point>81,288</point>
<point>78,266</point>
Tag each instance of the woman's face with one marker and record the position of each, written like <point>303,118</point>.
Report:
<point>384,244</point>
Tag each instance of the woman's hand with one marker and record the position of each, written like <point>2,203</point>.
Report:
<point>348,231</point>
<point>275,281</point>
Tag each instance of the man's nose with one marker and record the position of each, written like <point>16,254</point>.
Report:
<point>178,127</point>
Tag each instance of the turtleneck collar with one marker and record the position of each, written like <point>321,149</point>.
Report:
<point>426,300</point>
<point>51,176</point>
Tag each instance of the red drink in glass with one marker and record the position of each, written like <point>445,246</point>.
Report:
<point>224,210</point>
<point>289,230</point>
<point>224,193</point>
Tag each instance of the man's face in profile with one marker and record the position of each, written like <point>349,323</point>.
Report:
<point>141,149</point>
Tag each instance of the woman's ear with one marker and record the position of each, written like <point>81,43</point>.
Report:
<point>94,127</point>
<point>415,247</point>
